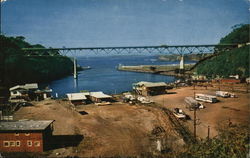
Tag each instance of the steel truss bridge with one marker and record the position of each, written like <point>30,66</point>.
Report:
<point>162,49</point>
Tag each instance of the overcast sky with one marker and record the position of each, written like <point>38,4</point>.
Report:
<point>84,23</point>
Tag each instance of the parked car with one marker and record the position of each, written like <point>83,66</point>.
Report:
<point>179,113</point>
<point>144,100</point>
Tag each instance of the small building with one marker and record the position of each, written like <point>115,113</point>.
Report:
<point>23,91</point>
<point>150,88</point>
<point>199,77</point>
<point>248,80</point>
<point>43,94</point>
<point>77,98</point>
<point>235,77</point>
<point>99,97</point>
<point>229,80</point>
<point>25,136</point>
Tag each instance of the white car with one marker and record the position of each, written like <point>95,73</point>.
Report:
<point>179,113</point>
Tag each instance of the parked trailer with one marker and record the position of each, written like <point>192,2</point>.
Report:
<point>206,98</point>
<point>222,94</point>
<point>191,103</point>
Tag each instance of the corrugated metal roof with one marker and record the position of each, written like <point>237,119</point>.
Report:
<point>191,100</point>
<point>99,95</point>
<point>24,125</point>
<point>26,86</point>
<point>151,84</point>
<point>76,96</point>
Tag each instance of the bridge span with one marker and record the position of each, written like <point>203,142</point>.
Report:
<point>162,49</point>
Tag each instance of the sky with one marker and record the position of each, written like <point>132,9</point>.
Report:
<point>93,23</point>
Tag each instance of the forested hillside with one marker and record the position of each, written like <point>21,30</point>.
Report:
<point>188,57</point>
<point>17,68</point>
<point>233,62</point>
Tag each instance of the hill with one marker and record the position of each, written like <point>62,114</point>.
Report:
<point>17,68</point>
<point>189,57</point>
<point>229,63</point>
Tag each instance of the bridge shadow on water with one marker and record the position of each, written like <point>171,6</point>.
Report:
<point>62,141</point>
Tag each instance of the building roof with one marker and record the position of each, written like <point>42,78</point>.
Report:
<point>151,84</point>
<point>207,95</point>
<point>99,95</point>
<point>44,91</point>
<point>26,86</point>
<point>190,99</point>
<point>24,125</point>
<point>76,96</point>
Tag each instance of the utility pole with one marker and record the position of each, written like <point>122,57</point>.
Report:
<point>229,122</point>
<point>0,17</point>
<point>208,132</point>
<point>195,123</point>
<point>232,87</point>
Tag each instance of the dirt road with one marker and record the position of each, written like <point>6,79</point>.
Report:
<point>235,110</point>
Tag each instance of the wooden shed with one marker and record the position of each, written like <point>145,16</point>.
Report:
<point>77,98</point>
<point>99,97</point>
<point>150,88</point>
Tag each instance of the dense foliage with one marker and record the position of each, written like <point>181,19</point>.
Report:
<point>233,62</point>
<point>231,142</point>
<point>17,68</point>
<point>188,57</point>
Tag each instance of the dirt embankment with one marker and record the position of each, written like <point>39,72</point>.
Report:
<point>117,129</point>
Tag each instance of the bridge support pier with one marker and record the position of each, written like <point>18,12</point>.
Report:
<point>182,65</point>
<point>75,68</point>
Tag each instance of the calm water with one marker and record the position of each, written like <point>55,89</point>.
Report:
<point>104,76</point>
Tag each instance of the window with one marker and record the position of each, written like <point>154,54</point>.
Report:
<point>12,143</point>
<point>29,143</point>
<point>37,143</point>
<point>6,143</point>
<point>27,134</point>
<point>18,143</point>
<point>16,134</point>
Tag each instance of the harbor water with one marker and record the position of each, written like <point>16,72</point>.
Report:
<point>104,76</point>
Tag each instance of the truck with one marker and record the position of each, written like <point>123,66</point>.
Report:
<point>192,104</point>
<point>225,94</point>
<point>206,98</point>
